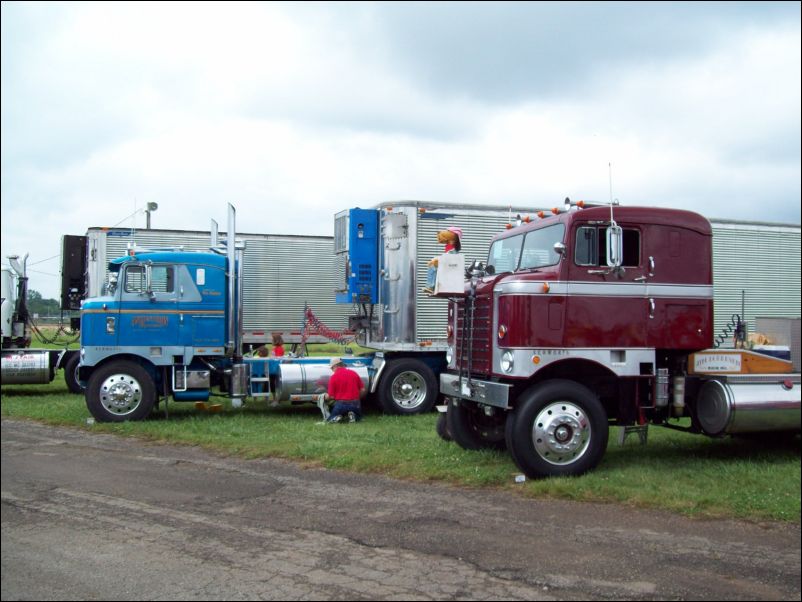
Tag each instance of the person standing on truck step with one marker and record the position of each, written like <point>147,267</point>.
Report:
<point>345,389</point>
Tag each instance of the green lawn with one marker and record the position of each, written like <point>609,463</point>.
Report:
<point>679,472</point>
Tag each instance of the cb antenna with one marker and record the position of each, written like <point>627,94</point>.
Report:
<point>610,174</point>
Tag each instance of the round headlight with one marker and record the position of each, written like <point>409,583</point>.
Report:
<point>507,361</point>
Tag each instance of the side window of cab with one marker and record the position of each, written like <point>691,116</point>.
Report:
<point>590,247</point>
<point>162,279</point>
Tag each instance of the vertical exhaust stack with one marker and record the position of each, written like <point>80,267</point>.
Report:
<point>233,310</point>
<point>239,369</point>
<point>214,236</point>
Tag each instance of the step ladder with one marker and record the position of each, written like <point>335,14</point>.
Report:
<point>259,379</point>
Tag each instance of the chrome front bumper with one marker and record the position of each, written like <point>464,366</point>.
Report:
<point>480,391</point>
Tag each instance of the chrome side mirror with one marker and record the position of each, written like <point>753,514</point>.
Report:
<point>615,246</point>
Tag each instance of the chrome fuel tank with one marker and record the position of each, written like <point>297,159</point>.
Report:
<point>750,404</point>
<point>27,367</point>
<point>305,381</point>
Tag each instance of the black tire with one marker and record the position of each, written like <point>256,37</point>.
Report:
<point>442,427</point>
<point>407,386</point>
<point>472,428</point>
<point>559,428</point>
<point>120,391</point>
<point>71,373</point>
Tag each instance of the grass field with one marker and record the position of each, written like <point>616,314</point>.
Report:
<point>679,472</point>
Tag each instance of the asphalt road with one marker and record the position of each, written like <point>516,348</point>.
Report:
<point>88,516</point>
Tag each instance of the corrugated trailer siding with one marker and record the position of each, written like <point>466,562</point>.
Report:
<point>761,259</point>
<point>283,273</point>
<point>280,274</point>
<point>477,230</point>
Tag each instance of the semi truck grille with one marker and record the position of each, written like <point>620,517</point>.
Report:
<point>472,343</point>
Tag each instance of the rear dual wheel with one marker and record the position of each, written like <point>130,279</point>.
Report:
<point>408,386</point>
<point>472,426</point>
<point>71,373</point>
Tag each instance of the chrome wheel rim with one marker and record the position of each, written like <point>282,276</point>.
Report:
<point>408,390</point>
<point>561,433</point>
<point>120,394</point>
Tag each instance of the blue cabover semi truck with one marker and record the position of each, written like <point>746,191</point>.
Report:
<point>169,324</point>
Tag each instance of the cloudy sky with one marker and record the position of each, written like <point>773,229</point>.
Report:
<point>293,112</point>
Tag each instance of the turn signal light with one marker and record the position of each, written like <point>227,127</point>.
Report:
<point>502,331</point>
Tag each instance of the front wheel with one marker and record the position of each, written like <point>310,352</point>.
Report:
<point>408,386</point>
<point>120,391</point>
<point>559,429</point>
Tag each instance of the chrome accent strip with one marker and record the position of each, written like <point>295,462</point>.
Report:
<point>606,289</point>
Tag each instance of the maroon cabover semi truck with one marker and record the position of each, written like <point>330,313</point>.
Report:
<point>599,317</point>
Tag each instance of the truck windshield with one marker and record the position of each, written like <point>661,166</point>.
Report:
<point>533,250</point>
<point>538,248</point>
<point>505,253</point>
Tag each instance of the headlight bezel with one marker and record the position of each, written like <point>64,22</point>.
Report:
<point>507,362</point>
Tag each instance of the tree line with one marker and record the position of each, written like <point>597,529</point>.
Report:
<point>41,306</point>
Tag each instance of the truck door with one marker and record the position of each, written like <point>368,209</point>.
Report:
<point>202,298</point>
<point>148,307</point>
<point>607,307</point>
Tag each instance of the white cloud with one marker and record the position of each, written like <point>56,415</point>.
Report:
<point>294,112</point>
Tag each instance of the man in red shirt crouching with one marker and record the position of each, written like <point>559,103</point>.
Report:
<point>345,388</point>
